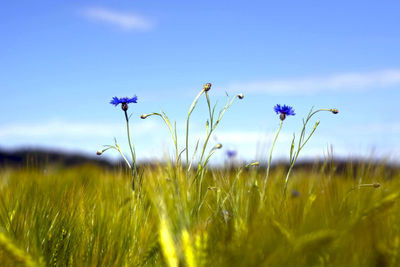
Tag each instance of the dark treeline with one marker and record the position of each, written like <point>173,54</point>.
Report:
<point>41,158</point>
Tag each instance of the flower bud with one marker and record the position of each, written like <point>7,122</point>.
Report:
<point>99,152</point>
<point>207,87</point>
<point>255,163</point>
<point>144,116</point>
<point>218,146</point>
<point>241,96</point>
<point>335,111</point>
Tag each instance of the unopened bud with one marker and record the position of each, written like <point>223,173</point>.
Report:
<point>376,185</point>
<point>99,152</point>
<point>207,87</point>
<point>241,96</point>
<point>144,116</point>
<point>255,163</point>
<point>335,111</point>
<point>218,146</point>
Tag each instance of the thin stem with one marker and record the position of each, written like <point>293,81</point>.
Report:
<point>133,167</point>
<point>300,146</point>
<point>164,116</point>
<point>213,125</point>
<point>287,179</point>
<point>122,154</point>
<point>270,158</point>
<point>187,130</point>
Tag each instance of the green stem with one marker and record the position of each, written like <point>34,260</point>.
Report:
<point>208,133</point>
<point>133,167</point>
<point>270,158</point>
<point>300,146</point>
<point>287,180</point>
<point>187,130</point>
<point>116,147</point>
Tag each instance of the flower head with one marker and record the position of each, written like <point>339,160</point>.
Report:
<point>231,153</point>
<point>124,101</point>
<point>284,111</point>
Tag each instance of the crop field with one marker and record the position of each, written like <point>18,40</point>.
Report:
<point>89,216</point>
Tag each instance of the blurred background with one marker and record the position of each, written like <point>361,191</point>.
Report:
<point>61,63</point>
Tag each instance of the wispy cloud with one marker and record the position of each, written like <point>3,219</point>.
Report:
<point>354,81</point>
<point>63,129</point>
<point>379,129</point>
<point>125,21</point>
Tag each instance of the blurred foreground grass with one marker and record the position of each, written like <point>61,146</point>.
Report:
<point>87,216</point>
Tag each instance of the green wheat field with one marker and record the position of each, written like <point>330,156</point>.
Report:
<point>88,216</point>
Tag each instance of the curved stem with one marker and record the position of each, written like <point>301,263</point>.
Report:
<point>122,154</point>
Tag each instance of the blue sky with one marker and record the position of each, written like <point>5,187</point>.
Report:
<point>61,63</point>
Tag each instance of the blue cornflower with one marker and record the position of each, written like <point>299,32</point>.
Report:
<point>284,111</point>
<point>231,153</point>
<point>124,101</point>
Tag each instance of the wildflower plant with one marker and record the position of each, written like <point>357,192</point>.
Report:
<point>193,182</point>
<point>283,112</point>
<point>124,101</point>
<point>294,153</point>
<point>211,125</point>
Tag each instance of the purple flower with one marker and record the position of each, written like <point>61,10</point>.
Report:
<point>124,101</point>
<point>284,111</point>
<point>231,153</point>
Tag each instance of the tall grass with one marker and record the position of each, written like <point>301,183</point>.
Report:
<point>89,217</point>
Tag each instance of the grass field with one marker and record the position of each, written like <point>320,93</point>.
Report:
<point>87,216</point>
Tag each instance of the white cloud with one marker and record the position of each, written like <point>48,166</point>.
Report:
<point>355,81</point>
<point>378,128</point>
<point>249,137</point>
<point>70,129</point>
<point>126,21</point>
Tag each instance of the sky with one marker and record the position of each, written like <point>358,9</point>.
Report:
<point>62,62</point>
